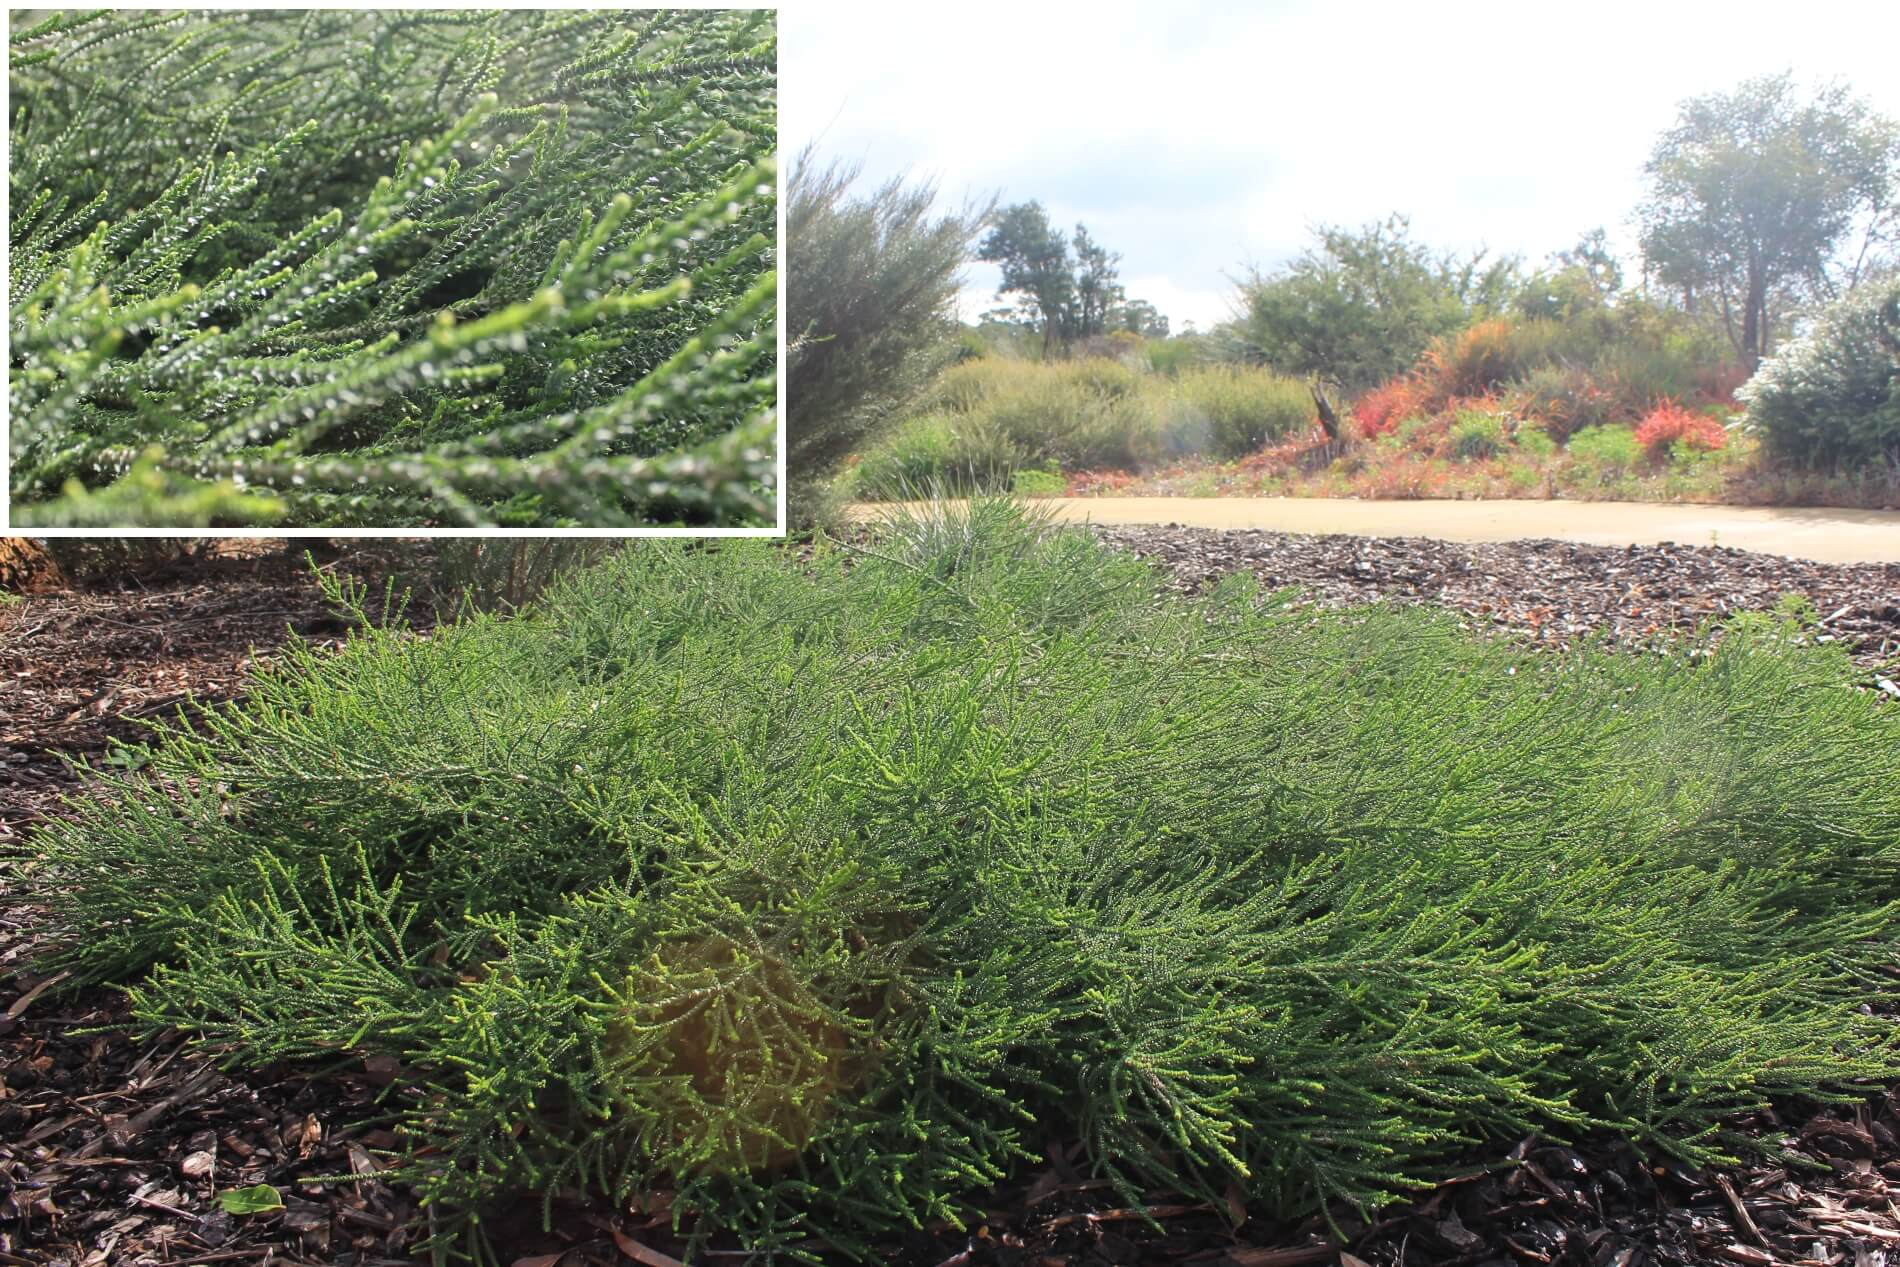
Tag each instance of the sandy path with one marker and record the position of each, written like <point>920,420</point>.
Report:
<point>1821,534</point>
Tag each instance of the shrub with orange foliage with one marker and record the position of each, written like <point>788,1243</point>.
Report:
<point>1669,423</point>
<point>1487,354</point>
<point>1384,407</point>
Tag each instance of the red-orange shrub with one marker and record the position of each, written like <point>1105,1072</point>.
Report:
<point>1384,407</point>
<point>1669,423</point>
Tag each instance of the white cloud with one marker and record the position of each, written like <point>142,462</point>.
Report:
<point>1201,138</point>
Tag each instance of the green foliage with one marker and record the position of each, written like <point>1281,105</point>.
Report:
<point>1610,449</point>
<point>1477,436</point>
<point>988,418</point>
<point>1230,412</point>
<point>393,268</point>
<point>1535,444</point>
<point>871,291</point>
<point>1832,397</point>
<point>821,894</point>
<point>1030,482</point>
<point>1759,198</point>
<point>1365,304</point>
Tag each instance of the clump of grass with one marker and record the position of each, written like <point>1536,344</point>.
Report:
<point>820,891</point>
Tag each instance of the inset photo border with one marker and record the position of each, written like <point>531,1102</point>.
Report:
<point>394,272</point>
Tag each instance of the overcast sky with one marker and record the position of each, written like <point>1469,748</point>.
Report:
<point>1199,138</point>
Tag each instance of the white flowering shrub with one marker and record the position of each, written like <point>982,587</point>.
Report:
<point>1832,397</point>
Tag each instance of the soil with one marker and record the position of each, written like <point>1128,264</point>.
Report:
<point>115,1151</point>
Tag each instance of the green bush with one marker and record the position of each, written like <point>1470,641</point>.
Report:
<point>941,452</point>
<point>385,268</point>
<point>871,286</point>
<point>983,419</point>
<point>820,891</point>
<point>1832,398</point>
<point>1030,482</point>
<point>1535,444</point>
<point>1564,400</point>
<point>1477,436</point>
<point>1230,412</point>
<point>1607,448</point>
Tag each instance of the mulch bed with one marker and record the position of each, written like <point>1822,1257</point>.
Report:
<point>1548,592</point>
<point>114,1152</point>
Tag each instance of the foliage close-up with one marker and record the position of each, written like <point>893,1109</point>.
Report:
<point>393,268</point>
<point>819,891</point>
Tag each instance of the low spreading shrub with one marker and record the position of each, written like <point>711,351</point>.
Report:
<point>1669,426</point>
<point>822,896</point>
<point>1535,444</point>
<point>1832,398</point>
<point>1611,449</point>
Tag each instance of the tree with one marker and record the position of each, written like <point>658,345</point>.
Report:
<point>1070,289</point>
<point>871,291</point>
<point>1097,289</point>
<point>1034,257</point>
<point>1759,200</point>
<point>1582,281</point>
<point>1362,306</point>
<point>1138,316</point>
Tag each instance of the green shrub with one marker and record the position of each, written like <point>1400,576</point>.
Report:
<point>1832,397</point>
<point>1030,482</point>
<point>1535,444</point>
<point>871,286</point>
<point>1564,400</point>
<point>371,267</point>
<point>1651,364</point>
<point>820,895</point>
<point>1477,436</point>
<point>1606,448</point>
<point>1230,412</point>
<point>941,452</point>
<point>985,418</point>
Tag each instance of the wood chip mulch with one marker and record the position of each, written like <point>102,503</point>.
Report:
<point>1547,592</point>
<point>116,1152</point>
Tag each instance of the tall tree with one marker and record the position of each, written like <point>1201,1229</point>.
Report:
<point>1034,257</point>
<point>1069,288</point>
<point>1097,290</point>
<point>1759,197</point>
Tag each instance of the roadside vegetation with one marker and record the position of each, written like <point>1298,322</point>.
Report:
<point>821,892</point>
